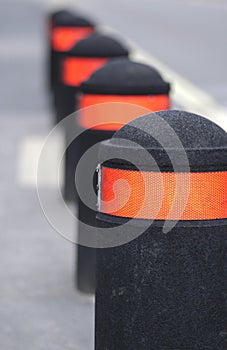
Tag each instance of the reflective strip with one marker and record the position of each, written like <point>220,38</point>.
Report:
<point>112,112</point>
<point>150,195</point>
<point>77,70</point>
<point>64,38</point>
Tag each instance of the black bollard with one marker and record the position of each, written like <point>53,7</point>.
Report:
<point>79,63</point>
<point>86,56</point>
<point>66,29</point>
<point>51,19</point>
<point>166,289</point>
<point>127,83</point>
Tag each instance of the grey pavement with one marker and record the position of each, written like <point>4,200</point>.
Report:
<point>39,305</point>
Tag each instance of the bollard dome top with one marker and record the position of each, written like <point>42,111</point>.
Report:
<point>59,13</point>
<point>98,45</point>
<point>167,134</point>
<point>124,77</point>
<point>65,18</point>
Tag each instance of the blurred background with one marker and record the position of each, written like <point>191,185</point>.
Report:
<point>39,306</point>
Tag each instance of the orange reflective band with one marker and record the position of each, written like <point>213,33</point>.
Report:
<point>114,112</point>
<point>63,38</point>
<point>76,70</point>
<point>150,195</point>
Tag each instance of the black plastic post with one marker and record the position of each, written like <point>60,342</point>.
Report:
<point>96,48</point>
<point>79,63</point>
<point>68,28</point>
<point>167,290</point>
<point>124,81</point>
<point>51,20</point>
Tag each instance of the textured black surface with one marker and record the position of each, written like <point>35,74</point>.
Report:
<point>165,291</point>
<point>95,45</point>
<point>124,77</point>
<point>86,264</point>
<point>56,15</point>
<point>52,20</point>
<point>69,190</point>
<point>86,261</point>
<point>62,18</point>
<point>194,131</point>
<point>65,18</point>
<point>72,155</point>
<point>65,101</point>
<point>56,67</point>
<point>99,45</point>
<point>204,142</point>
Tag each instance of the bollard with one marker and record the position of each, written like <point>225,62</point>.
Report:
<point>79,63</point>
<point>166,289</point>
<point>66,29</point>
<point>127,83</point>
<point>51,19</point>
<point>87,56</point>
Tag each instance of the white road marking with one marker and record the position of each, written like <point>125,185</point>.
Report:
<point>28,160</point>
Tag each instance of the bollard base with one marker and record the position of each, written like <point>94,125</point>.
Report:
<point>65,101</point>
<point>164,291</point>
<point>86,267</point>
<point>85,277</point>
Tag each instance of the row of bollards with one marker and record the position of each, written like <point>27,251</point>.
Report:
<point>158,208</point>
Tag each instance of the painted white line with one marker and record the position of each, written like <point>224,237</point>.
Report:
<point>185,94</point>
<point>28,159</point>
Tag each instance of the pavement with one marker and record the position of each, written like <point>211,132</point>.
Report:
<point>39,306</point>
